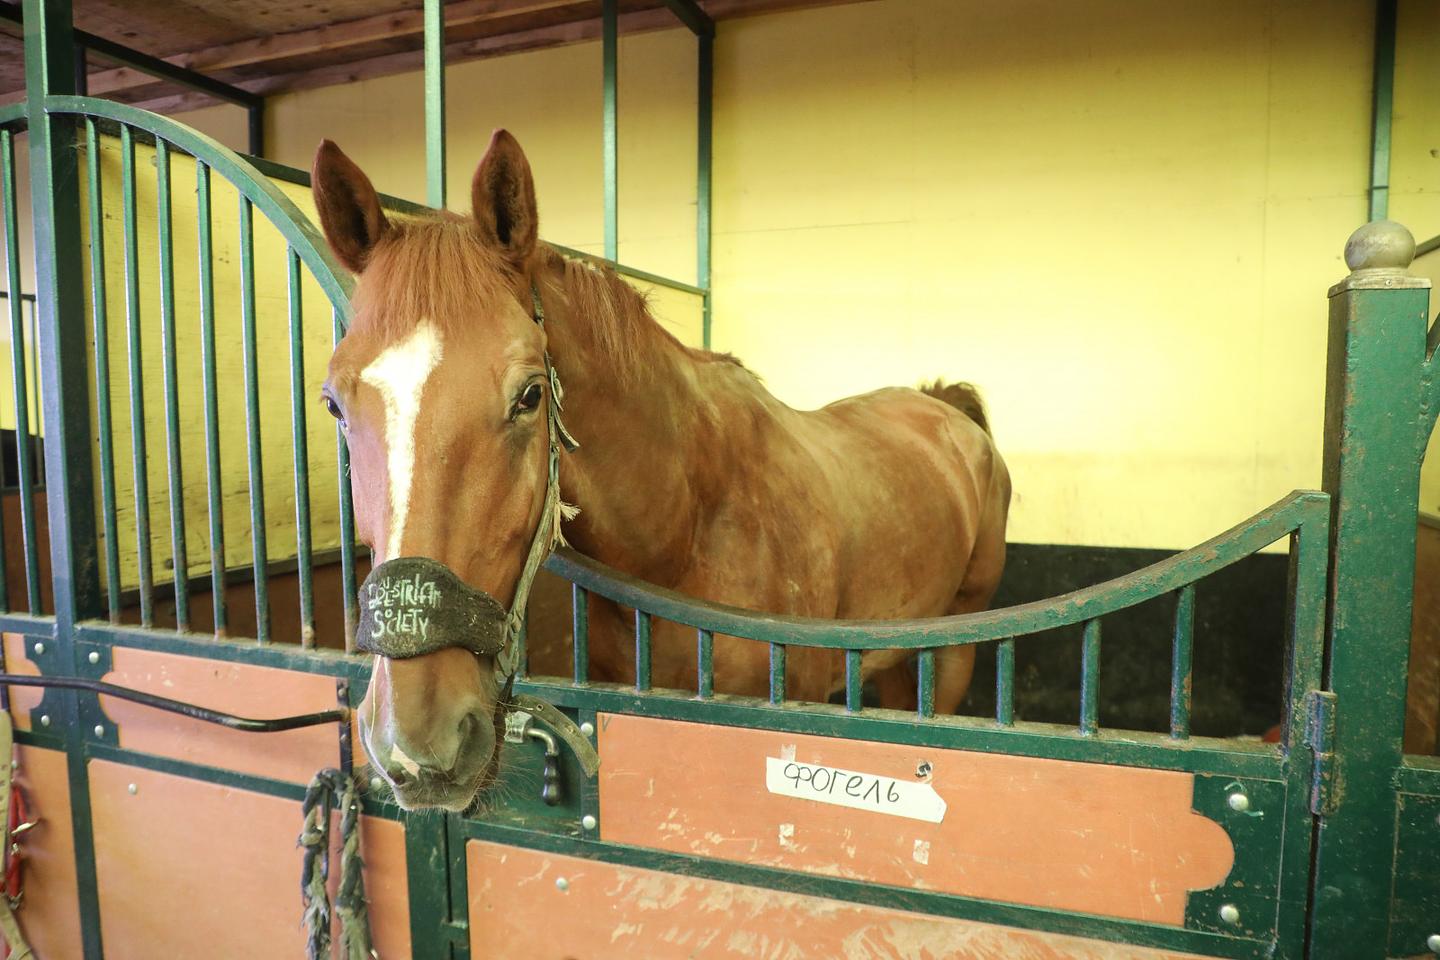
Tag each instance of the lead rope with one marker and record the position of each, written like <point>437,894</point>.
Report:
<point>9,926</point>
<point>331,790</point>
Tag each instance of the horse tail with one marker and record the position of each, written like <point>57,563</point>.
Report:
<point>964,397</point>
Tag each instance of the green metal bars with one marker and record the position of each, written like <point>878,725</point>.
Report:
<point>17,366</point>
<point>211,389</point>
<point>139,464</point>
<point>252,423</point>
<point>115,131</point>
<point>179,556</point>
<point>1176,576</point>
<point>101,323</point>
<point>299,442</point>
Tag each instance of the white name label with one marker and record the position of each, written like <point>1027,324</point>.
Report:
<point>849,788</point>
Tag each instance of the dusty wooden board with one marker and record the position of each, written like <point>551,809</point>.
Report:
<point>50,914</point>
<point>596,911</point>
<point>238,688</point>
<point>187,868</point>
<point>1106,840</point>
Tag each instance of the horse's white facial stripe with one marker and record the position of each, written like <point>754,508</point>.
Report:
<point>400,373</point>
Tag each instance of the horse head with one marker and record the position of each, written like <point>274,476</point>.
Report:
<point>443,389</point>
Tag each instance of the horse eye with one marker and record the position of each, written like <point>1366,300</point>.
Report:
<point>530,399</point>
<point>333,409</point>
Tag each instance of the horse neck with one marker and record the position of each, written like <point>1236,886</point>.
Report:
<point>633,476</point>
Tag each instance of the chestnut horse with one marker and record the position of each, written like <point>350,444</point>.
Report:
<point>689,473</point>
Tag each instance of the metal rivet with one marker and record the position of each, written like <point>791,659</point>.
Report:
<point>1433,942</point>
<point>133,789</point>
<point>588,822</point>
<point>44,719</point>
<point>39,648</point>
<point>587,728</point>
<point>99,730</point>
<point>1238,802</point>
<point>924,769</point>
<point>562,884</point>
<point>1230,913</point>
<point>94,656</point>
<point>376,783</point>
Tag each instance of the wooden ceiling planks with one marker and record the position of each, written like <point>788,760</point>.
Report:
<point>275,46</point>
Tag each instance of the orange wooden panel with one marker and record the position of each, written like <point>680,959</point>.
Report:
<point>194,869</point>
<point>22,699</point>
<point>517,909</point>
<point>1113,841</point>
<point>50,913</point>
<point>238,688</point>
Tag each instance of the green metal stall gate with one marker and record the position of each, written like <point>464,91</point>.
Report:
<point>1334,830</point>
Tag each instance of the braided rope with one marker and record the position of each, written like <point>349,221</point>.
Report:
<point>333,790</point>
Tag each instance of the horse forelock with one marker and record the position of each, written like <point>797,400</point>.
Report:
<point>434,267</point>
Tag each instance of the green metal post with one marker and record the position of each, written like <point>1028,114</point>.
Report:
<point>610,28</point>
<point>1374,437</point>
<point>435,104</point>
<point>1382,108</point>
<point>703,107</point>
<point>59,259</point>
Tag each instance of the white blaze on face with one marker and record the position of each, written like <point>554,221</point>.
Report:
<point>400,373</point>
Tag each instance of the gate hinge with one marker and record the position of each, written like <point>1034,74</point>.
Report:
<point>1325,787</point>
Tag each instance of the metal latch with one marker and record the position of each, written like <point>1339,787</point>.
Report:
<point>520,726</point>
<point>1320,734</point>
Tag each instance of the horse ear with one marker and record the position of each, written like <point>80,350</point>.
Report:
<point>349,208</point>
<point>503,198</point>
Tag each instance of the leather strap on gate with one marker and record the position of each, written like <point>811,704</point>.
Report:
<point>9,926</point>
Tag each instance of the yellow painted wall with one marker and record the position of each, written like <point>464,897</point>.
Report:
<point>273,349</point>
<point>1120,219</point>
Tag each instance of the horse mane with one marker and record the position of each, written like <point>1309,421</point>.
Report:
<point>617,318</point>
<point>436,266</point>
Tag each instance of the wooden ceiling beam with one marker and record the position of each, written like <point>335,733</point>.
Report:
<point>331,37</point>
<point>562,34</point>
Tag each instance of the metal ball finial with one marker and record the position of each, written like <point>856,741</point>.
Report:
<point>1380,245</point>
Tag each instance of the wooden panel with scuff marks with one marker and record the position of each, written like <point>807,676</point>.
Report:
<point>517,908</point>
<point>1107,840</point>
<point>17,660</point>
<point>242,689</point>
<point>194,869</point>
<point>49,916</point>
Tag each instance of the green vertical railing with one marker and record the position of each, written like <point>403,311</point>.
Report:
<point>104,425</point>
<point>299,444</point>
<point>210,388</point>
<point>179,555</point>
<point>261,562</point>
<point>1181,664</point>
<point>23,450</point>
<point>347,519</point>
<point>135,344</point>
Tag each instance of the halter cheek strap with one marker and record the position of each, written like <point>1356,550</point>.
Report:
<point>411,606</point>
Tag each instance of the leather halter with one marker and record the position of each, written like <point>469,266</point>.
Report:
<point>411,606</point>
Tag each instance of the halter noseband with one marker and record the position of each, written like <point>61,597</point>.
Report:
<point>411,606</point>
